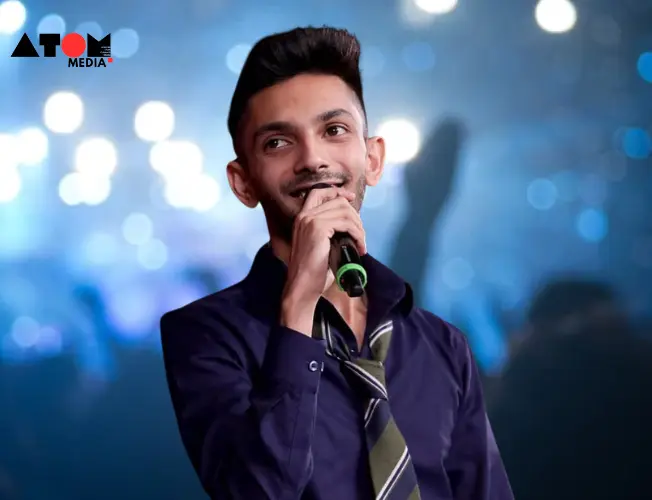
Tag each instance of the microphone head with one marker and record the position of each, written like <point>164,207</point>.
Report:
<point>356,290</point>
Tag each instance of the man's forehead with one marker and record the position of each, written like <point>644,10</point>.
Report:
<point>302,99</point>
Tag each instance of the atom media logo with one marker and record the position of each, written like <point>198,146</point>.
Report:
<point>73,46</point>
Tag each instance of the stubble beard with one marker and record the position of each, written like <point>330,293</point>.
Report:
<point>281,224</point>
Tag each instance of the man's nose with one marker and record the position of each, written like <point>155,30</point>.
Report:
<point>312,158</point>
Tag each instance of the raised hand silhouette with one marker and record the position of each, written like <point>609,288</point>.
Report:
<point>428,182</point>
<point>429,177</point>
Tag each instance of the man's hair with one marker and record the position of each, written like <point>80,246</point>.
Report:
<point>282,56</point>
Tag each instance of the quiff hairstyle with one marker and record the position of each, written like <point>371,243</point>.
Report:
<point>282,56</point>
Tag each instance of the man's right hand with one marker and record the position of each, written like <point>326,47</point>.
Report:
<point>324,213</point>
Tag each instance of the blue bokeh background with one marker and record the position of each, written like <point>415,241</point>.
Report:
<point>554,176</point>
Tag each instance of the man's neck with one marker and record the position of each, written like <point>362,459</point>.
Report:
<point>352,310</point>
<point>280,248</point>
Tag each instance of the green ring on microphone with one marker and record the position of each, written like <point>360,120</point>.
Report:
<point>349,267</point>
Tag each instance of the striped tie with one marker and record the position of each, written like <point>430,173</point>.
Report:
<point>392,472</point>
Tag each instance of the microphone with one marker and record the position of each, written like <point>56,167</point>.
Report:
<point>345,262</point>
<point>350,276</point>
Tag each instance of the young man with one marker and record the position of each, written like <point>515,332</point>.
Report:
<point>285,387</point>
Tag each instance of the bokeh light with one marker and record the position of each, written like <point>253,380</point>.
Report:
<point>137,229</point>
<point>10,184</point>
<point>12,17</point>
<point>32,144</point>
<point>196,192</point>
<point>78,188</point>
<point>402,139</point>
<point>63,112</point>
<point>555,16</point>
<point>644,66</point>
<point>96,156</point>
<point>154,121</point>
<point>100,248</point>
<point>592,225</point>
<point>49,341</point>
<point>236,57</point>
<point>606,31</point>
<point>436,6</point>
<point>125,42</point>
<point>152,255</point>
<point>25,331</point>
<point>636,143</point>
<point>542,194</point>
<point>52,23</point>
<point>176,158</point>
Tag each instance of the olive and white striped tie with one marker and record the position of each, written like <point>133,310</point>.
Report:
<point>392,471</point>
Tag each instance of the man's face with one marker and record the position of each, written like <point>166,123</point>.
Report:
<point>307,130</point>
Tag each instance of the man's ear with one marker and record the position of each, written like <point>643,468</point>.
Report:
<point>375,160</point>
<point>240,183</point>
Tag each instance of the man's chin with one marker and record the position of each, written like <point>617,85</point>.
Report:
<point>280,219</point>
<point>291,207</point>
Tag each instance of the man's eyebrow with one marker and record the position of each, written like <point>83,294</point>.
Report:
<point>333,113</point>
<point>278,126</point>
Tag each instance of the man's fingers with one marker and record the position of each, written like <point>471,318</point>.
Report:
<point>333,204</point>
<point>317,197</point>
<point>343,220</point>
<point>334,209</point>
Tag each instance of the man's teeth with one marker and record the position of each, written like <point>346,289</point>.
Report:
<point>304,192</point>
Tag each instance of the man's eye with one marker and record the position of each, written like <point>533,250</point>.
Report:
<point>275,143</point>
<point>335,130</point>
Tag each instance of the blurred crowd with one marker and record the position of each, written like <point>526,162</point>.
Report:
<point>570,410</point>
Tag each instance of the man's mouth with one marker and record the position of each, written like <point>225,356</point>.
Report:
<point>303,191</point>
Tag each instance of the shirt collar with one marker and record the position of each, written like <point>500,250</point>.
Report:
<point>386,290</point>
